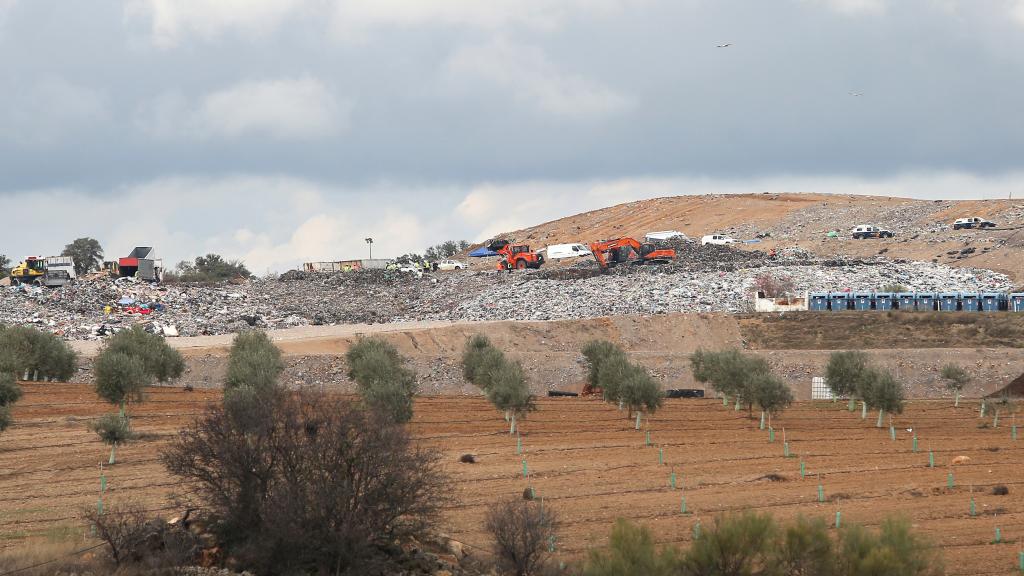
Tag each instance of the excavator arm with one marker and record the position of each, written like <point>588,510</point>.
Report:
<point>644,252</point>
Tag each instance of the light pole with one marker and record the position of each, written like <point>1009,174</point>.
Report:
<point>369,242</point>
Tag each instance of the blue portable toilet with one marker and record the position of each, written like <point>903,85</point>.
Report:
<point>949,301</point>
<point>862,301</point>
<point>839,301</point>
<point>993,302</point>
<point>970,301</point>
<point>1017,302</point>
<point>817,301</point>
<point>925,301</point>
<point>883,300</point>
<point>905,301</point>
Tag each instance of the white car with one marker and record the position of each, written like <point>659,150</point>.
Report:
<point>719,239</point>
<point>411,270</point>
<point>973,222</point>
<point>868,231</point>
<point>450,265</point>
<point>666,235</point>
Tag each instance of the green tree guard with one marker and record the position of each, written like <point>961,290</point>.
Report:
<point>113,449</point>
<point>785,449</point>
<point>647,439</point>
<point>878,424</point>
<point>1013,432</point>
<point>982,415</point>
<point>526,471</point>
<point>661,456</point>
<point>771,434</point>
<point>736,407</point>
<point>762,419</point>
<point>803,469</point>
<point>931,459</point>
<point>949,480</point>
<point>851,405</point>
<point>839,519</point>
<point>863,410</point>
<point>974,509</point>
<point>999,536</point>
<point>821,493</point>
<point>672,480</point>
<point>725,400</point>
<point>637,427</point>
<point>682,505</point>
<point>696,536</point>
<point>914,446</point>
<point>892,431</point>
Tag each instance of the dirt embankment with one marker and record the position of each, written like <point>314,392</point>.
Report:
<point>923,227</point>
<point>915,347</point>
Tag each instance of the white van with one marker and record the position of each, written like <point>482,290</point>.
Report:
<point>666,235</point>
<point>557,251</point>
<point>720,239</point>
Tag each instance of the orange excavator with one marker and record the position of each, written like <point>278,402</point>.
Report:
<point>609,253</point>
<point>515,256</point>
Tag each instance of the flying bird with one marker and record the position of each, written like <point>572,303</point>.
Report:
<point>724,45</point>
<point>856,93</point>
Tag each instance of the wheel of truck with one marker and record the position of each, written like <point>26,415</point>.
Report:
<point>520,264</point>
<point>956,226</point>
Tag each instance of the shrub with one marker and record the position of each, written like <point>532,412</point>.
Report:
<point>522,531</point>
<point>631,551</point>
<point>895,288</point>
<point>806,548</point>
<point>319,485</point>
<point>893,550</point>
<point>10,392</point>
<point>774,286</point>
<point>211,268</point>
<point>385,384</point>
<point>40,354</point>
<point>734,546</point>
<point>132,538</point>
<point>956,377</point>
<point>5,418</point>
<point>119,377</point>
<point>253,361</point>
<point>480,360</point>
<point>160,361</point>
<point>844,372</point>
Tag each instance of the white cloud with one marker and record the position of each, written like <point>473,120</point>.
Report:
<point>352,18</point>
<point>854,7</point>
<point>49,111</point>
<point>288,109</point>
<point>170,21</point>
<point>532,79</point>
<point>1017,11</point>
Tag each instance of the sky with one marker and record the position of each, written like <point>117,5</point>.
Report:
<point>280,131</point>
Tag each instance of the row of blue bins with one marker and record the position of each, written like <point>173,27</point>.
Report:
<point>941,301</point>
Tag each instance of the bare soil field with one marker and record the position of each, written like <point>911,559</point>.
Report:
<point>586,460</point>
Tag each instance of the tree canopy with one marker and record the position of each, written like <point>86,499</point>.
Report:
<point>211,268</point>
<point>87,253</point>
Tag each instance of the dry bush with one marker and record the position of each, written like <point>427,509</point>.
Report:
<point>522,531</point>
<point>46,557</point>
<point>773,286</point>
<point>308,482</point>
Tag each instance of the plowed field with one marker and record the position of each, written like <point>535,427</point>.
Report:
<point>586,460</point>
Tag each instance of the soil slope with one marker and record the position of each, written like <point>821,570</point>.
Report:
<point>923,227</point>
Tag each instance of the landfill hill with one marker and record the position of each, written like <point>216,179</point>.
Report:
<point>785,220</point>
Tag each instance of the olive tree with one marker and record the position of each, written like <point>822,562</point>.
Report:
<point>771,394</point>
<point>844,372</point>
<point>113,429</point>
<point>640,392</point>
<point>34,354</point>
<point>480,360</point>
<point>882,391</point>
<point>510,392</point>
<point>607,365</point>
<point>956,379</point>
<point>731,373</point>
<point>384,382</point>
<point>253,361</point>
<point>9,394</point>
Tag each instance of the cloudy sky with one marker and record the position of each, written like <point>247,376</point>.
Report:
<point>284,130</point>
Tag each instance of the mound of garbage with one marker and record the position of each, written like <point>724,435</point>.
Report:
<point>702,279</point>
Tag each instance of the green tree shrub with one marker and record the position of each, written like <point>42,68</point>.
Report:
<point>881,391</point>
<point>120,378</point>
<point>510,392</point>
<point>253,361</point>
<point>806,549</point>
<point>113,429</point>
<point>771,394</point>
<point>639,392</point>
<point>894,551</point>
<point>480,360</point>
<point>845,371</point>
<point>87,254</point>
<point>39,355</point>
<point>607,366</point>
<point>631,552</point>
<point>956,380</point>
<point>9,394</point>
<point>211,268</point>
<point>5,266</point>
<point>731,373</point>
<point>385,384</point>
<point>160,362</point>
<point>734,546</point>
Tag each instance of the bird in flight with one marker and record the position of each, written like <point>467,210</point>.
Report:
<point>856,93</point>
<point>724,45</point>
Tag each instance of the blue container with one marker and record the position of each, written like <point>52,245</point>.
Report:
<point>839,301</point>
<point>949,301</point>
<point>925,301</point>
<point>883,300</point>
<point>817,301</point>
<point>1017,302</point>
<point>862,301</point>
<point>970,301</point>
<point>905,301</point>
<point>993,302</point>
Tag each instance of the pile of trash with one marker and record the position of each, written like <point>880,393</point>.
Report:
<point>702,279</point>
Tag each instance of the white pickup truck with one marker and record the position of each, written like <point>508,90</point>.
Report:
<point>869,231</point>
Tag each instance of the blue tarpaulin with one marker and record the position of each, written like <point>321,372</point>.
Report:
<point>482,252</point>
